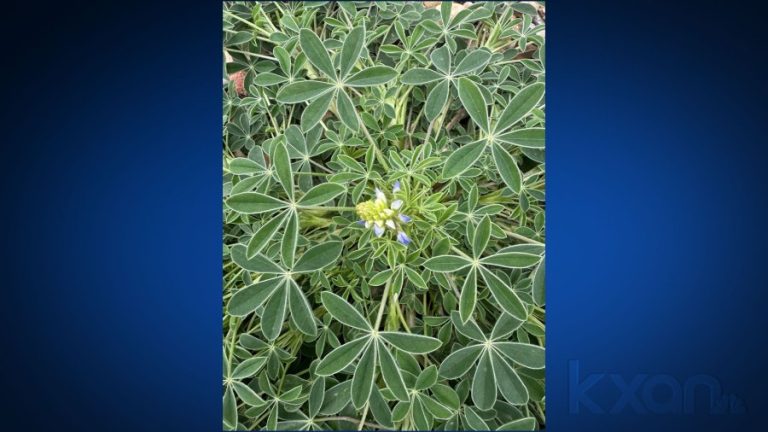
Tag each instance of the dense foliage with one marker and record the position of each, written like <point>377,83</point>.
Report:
<point>383,216</point>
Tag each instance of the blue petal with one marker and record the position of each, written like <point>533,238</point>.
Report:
<point>361,222</point>
<point>403,238</point>
<point>378,230</point>
<point>396,187</point>
<point>404,218</point>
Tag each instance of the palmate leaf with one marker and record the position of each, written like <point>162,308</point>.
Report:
<point>411,343</point>
<point>376,75</point>
<point>446,263</point>
<point>302,91</point>
<point>390,371</point>
<point>274,313</point>
<point>340,100</point>
<point>316,53</point>
<point>321,194</point>
<point>344,312</point>
<point>315,111</point>
<point>319,256</point>
<point>362,380</point>
<point>508,169</point>
<point>463,158</point>
<point>505,297</point>
<point>351,50</point>
<point>301,312</point>
<point>484,383</point>
<point>468,298</point>
<point>249,298</point>
<point>520,105</point>
<point>474,103</point>
<point>341,357</point>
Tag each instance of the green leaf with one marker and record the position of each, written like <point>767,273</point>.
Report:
<point>283,167</point>
<point>441,58</point>
<point>481,237</point>
<point>530,138</point>
<point>467,328</point>
<point>321,194</point>
<point>274,313</point>
<point>261,237</point>
<point>411,342</point>
<point>254,203</point>
<point>316,396</point>
<point>251,297</point>
<point>316,53</point>
<point>347,112</point>
<point>446,396</point>
<point>512,259</point>
<point>372,76</point>
<point>484,384</point>
<point>390,371</point>
<point>268,79</point>
<point>301,91</point>
<point>528,355</point>
<point>524,424</point>
<point>362,380</point>
<point>436,100</point>
<point>318,256</point>
<point>474,421</point>
<point>427,378</point>
<point>436,408</point>
<point>247,395</point>
<point>351,50</point>
<point>341,357</point>
<point>230,408</point>
<point>463,158</point>
<point>380,408</point>
<point>248,368</point>
<point>301,313</point>
<point>421,419</point>
<point>473,61</point>
<point>538,286</point>
<point>315,111</point>
<point>473,102</point>
<point>509,383</point>
<point>418,76</point>
<point>239,38</point>
<point>468,296</point>
<point>344,312</point>
<point>380,278</point>
<point>415,278</point>
<point>258,263</point>
<point>504,296</point>
<point>460,361</point>
<point>336,398</point>
<point>507,167</point>
<point>290,239</point>
<point>244,166</point>
<point>520,105</point>
<point>446,263</point>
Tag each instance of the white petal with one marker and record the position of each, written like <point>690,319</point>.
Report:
<point>396,204</point>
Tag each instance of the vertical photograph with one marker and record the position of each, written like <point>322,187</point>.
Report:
<point>383,215</point>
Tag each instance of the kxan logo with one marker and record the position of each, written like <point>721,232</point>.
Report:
<point>647,394</point>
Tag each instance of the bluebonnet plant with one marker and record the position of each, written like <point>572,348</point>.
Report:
<point>380,214</point>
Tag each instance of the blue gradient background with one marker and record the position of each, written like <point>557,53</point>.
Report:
<point>656,238</point>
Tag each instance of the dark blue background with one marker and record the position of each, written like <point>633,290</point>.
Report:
<point>111,165</point>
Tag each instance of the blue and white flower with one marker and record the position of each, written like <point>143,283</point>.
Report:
<point>381,215</point>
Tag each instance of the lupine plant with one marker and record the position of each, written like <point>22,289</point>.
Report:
<point>383,259</point>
